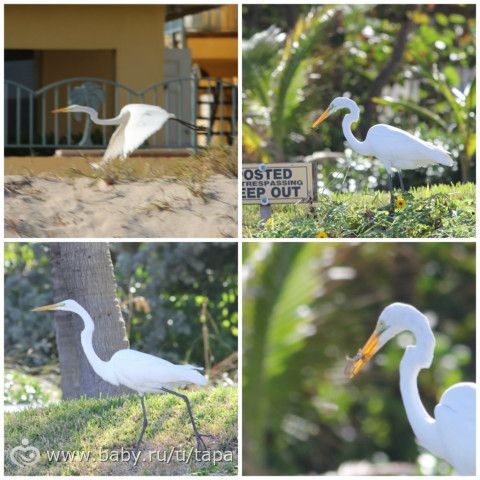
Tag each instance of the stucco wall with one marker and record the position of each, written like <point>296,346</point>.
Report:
<point>132,33</point>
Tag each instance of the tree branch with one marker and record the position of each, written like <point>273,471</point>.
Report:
<point>385,74</point>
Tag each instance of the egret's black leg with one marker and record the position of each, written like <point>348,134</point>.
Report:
<point>145,423</point>
<point>200,443</point>
<point>392,197</point>
<point>401,181</point>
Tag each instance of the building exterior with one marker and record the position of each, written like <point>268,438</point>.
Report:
<point>212,36</point>
<point>120,44</point>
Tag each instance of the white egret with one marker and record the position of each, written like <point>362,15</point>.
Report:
<point>395,148</point>
<point>136,123</point>
<point>451,433</point>
<point>138,371</point>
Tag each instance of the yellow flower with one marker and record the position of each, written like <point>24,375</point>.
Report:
<point>321,234</point>
<point>400,202</point>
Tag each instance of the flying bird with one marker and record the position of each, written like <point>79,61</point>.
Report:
<point>395,148</point>
<point>450,433</point>
<point>136,122</point>
<point>138,371</point>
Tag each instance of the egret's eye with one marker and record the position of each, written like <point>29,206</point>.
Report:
<point>381,326</point>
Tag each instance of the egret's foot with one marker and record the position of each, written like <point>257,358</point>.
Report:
<point>136,449</point>
<point>200,443</point>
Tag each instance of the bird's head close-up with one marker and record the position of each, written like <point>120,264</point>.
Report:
<point>336,104</point>
<point>70,108</point>
<point>65,306</point>
<point>393,320</point>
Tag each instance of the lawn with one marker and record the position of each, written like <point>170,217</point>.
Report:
<point>108,428</point>
<point>440,211</point>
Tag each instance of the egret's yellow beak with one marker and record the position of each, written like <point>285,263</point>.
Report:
<point>58,110</point>
<point>53,306</point>
<point>322,117</point>
<point>363,355</point>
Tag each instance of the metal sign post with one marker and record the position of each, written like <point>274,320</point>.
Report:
<point>265,209</point>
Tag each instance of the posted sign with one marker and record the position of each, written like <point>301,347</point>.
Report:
<point>278,183</point>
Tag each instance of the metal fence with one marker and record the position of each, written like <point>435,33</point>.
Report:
<point>28,123</point>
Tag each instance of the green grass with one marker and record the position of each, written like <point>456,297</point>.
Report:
<point>106,426</point>
<point>440,211</point>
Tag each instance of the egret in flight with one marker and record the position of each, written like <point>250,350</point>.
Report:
<point>136,122</point>
<point>450,434</point>
<point>138,371</point>
<point>395,148</point>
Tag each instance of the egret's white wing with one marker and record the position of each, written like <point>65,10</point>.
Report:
<point>144,121</point>
<point>455,419</point>
<point>461,397</point>
<point>404,151</point>
<point>138,123</point>
<point>117,140</point>
<point>146,373</point>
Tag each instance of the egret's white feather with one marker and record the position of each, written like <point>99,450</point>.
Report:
<point>456,419</point>
<point>146,373</point>
<point>138,122</point>
<point>141,372</point>
<point>402,150</point>
<point>394,147</point>
<point>450,434</point>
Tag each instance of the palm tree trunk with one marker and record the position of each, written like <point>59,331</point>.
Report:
<point>84,272</point>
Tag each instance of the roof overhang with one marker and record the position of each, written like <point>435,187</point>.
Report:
<point>179,11</point>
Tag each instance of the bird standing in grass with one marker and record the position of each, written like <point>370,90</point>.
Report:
<point>138,371</point>
<point>395,148</point>
<point>136,122</point>
<point>450,434</point>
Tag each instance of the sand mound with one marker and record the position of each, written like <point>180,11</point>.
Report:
<point>81,207</point>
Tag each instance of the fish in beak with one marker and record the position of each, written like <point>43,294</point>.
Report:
<point>322,117</point>
<point>355,364</point>
<point>52,306</point>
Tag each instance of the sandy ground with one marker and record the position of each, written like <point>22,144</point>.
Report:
<point>82,207</point>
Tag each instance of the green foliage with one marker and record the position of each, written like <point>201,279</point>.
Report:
<point>442,211</point>
<point>162,287</point>
<point>27,285</point>
<point>354,43</point>
<point>276,330</point>
<point>309,305</point>
<point>276,69</point>
<point>91,425</point>
<point>176,279</point>
<point>22,389</point>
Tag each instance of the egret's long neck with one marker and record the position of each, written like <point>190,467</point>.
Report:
<point>416,357</point>
<point>348,120</point>
<point>99,366</point>
<point>99,121</point>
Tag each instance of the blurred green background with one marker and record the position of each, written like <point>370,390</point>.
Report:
<point>411,66</point>
<point>306,306</point>
<point>179,302</point>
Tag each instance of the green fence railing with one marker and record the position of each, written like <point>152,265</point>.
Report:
<point>28,123</point>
